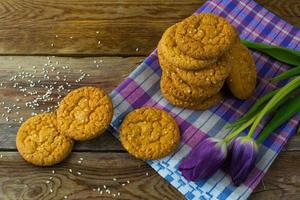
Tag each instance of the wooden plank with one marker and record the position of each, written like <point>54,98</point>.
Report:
<point>111,71</point>
<point>20,180</point>
<point>31,27</point>
<point>123,25</point>
<point>281,180</point>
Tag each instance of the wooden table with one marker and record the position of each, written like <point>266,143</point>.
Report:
<point>96,43</point>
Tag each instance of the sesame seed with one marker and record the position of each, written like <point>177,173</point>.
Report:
<point>71,37</point>
<point>51,190</point>
<point>79,173</point>
<point>123,184</point>
<point>47,182</point>
<point>104,186</point>
<point>147,174</point>
<point>80,158</point>
<point>118,193</point>
<point>56,36</point>
<point>97,32</point>
<point>114,179</point>
<point>1,156</point>
<point>94,189</point>
<point>53,171</point>
<point>70,170</point>
<point>65,197</point>
<point>137,49</point>
<point>79,161</point>
<point>114,195</point>
<point>52,45</point>
<point>50,177</point>
<point>128,181</point>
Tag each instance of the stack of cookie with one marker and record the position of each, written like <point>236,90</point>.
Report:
<point>195,57</point>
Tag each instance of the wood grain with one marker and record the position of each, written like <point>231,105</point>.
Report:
<point>20,180</point>
<point>282,180</point>
<point>71,26</point>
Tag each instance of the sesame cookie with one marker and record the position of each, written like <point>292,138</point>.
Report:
<point>206,77</point>
<point>149,133</point>
<point>193,105</point>
<point>194,92</point>
<point>167,84</point>
<point>168,52</point>
<point>85,113</point>
<point>40,143</point>
<point>205,36</point>
<point>242,78</point>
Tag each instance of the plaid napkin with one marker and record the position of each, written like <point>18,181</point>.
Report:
<point>141,88</point>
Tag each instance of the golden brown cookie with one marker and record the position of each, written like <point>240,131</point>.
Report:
<point>40,143</point>
<point>167,84</point>
<point>85,113</point>
<point>242,78</point>
<point>193,105</point>
<point>206,77</point>
<point>205,36</point>
<point>149,133</point>
<point>194,92</point>
<point>168,52</point>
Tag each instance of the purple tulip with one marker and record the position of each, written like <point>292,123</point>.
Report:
<point>242,154</point>
<point>204,159</point>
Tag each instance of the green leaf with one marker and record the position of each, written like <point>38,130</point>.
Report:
<point>283,114</point>
<point>282,54</point>
<point>282,93</point>
<point>287,74</point>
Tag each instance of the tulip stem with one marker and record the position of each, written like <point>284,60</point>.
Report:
<point>240,129</point>
<point>274,101</point>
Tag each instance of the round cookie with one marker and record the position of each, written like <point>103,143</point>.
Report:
<point>40,143</point>
<point>168,52</point>
<point>85,113</point>
<point>167,84</point>
<point>149,133</point>
<point>195,92</point>
<point>205,36</point>
<point>206,77</point>
<point>193,105</point>
<point>242,78</point>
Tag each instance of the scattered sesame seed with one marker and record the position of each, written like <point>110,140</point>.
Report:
<point>123,184</point>
<point>53,171</point>
<point>118,193</point>
<point>47,182</point>
<point>94,189</point>
<point>113,195</point>
<point>56,36</point>
<point>51,190</point>
<point>50,177</point>
<point>65,197</point>
<point>71,37</point>
<point>80,158</point>
<point>114,179</point>
<point>137,49</point>
<point>52,45</point>
<point>104,186</point>
<point>70,170</point>
<point>79,173</point>
<point>97,32</point>
<point>147,174</point>
<point>79,161</point>
<point>1,156</point>
<point>128,181</point>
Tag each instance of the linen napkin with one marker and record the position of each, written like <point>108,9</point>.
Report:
<point>141,88</point>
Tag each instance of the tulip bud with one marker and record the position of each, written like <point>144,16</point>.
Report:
<point>242,153</point>
<point>204,159</point>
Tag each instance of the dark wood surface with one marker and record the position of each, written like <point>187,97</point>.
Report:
<point>128,31</point>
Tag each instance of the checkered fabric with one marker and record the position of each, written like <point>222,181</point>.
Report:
<point>141,88</point>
